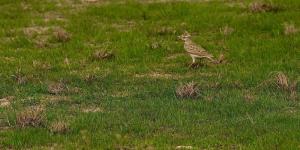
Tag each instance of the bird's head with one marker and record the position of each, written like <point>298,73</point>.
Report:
<point>185,36</point>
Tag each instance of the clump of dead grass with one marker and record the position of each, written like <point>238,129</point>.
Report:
<point>61,35</point>
<point>282,81</point>
<point>59,127</point>
<point>287,85</point>
<point>6,101</point>
<point>258,7</point>
<point>32,116</point>
<point>188,90</point>
<point>56,88</point>
<point>20,77</point>
<point>102,54</point>
<point>290,29</point>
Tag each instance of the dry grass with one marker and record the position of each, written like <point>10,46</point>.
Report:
<point>226,30</point>
<point>59,127</point>
<point>282,81</point>
<point>20,77</point>
<point>290,29</point>
<point>32,116</point>
<point>41,65</point>
<point>6,101</point>
<point>154,45</point>
<point>102,54</point>
<point>285,84</point>
<point>188,90</point>
<point>56,88</point>
<point>61,35</point>
<point>257,7</point>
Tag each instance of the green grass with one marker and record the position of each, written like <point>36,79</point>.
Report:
<point>135,90</point>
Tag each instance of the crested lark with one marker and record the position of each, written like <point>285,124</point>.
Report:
<point>195,51</point>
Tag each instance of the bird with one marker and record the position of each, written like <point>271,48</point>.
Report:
<point>194,50</point>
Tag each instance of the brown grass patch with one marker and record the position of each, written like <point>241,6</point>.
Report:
<point>6,101</point>
<point>59,127</point>
<point>290,29</point>
<point>32,116</point>
<point>56,88</point>
<point>282,81</point>
<point>61,35</point>
<point>285,84</point>
<point>102,54</point>
<point>188,90</point>
<point>257,7</point>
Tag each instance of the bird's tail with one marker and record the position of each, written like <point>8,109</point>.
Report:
<point>220,59</point>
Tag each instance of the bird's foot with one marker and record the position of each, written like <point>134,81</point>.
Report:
<point>194,65</point>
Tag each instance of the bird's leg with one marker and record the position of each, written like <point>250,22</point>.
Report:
<point>194,61</point>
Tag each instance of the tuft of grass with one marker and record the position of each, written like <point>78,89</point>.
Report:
<point>188,90</point>
<point>59,127</point>
<point>102,54</point>
<point>32,116</point>
<point>282,81</point>
<point>287,85</point>
<point>61,35</point>
<point>56,88</point>
<point>20,77</point>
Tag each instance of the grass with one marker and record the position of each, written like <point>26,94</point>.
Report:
<point>129,100</point>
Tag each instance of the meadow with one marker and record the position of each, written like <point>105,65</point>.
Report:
<point>103,74</point>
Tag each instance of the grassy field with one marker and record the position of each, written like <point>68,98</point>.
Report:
<point>59,87</point>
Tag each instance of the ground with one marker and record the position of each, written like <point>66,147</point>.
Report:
<point>96,74</point>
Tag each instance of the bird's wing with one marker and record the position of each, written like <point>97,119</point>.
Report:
<point>200,51</point>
